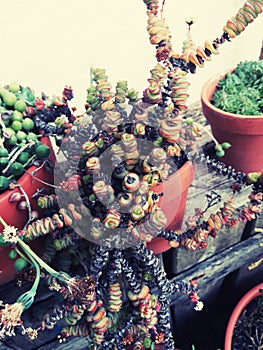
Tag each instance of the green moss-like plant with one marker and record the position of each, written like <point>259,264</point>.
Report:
<point>241,91</point>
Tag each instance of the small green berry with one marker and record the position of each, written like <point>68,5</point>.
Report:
<point>12,254</point>
<point>12,140</point>
<point>9,99</point>
<point>16,169</point>
<point>253,177</point>
<point>42,151</point>
<point>147,343</point>
<point>4,183</point>
<point>189,121</point>
<point>3,162</point>
<point>20,264</point>
<point>23,157</point>
<point>21,135</point>
<point>20,105</point>
<point>3,152</point>
<point>16,115</point>
<point>28,124</point>
<point>14,87</point>
<point>16,125</point>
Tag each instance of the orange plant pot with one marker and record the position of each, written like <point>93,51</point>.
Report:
<point>244,133</point>
<point>17,217</point>
<point>241,305</point>
<point>172,203</point>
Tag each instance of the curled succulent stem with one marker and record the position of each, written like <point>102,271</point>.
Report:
<point>207,131</point>
<point>50,270</point>
<point>37,261</point>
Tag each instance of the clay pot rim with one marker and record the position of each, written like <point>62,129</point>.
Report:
<point>208,90</point>
<point>240,306</point>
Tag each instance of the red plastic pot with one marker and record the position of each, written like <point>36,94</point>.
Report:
<point>173,203</point>
<point>245,133</point>
<point>241,305</point>
<point>17,217</point>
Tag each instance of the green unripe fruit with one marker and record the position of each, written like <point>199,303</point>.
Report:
<point>3,244</point>
<point>21,135</point>
<point>12,254</point>
<point>3,152</point>
<point>28,124</point>
<point>16,169</point>
<point>4,183</point>
<point>16,125</point>
<point>3,162</point>
<point>17,116</point>
<point>42,151</point>
<point>20,105</point>
<point>9,99</point>
<point>14,87</point>
<point>20,264</point>
<point>23,157</point>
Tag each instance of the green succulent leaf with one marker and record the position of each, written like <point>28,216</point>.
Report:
<point>220,153</point>
<point>226,145</point>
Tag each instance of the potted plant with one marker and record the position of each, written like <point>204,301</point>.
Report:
<point>138,142</point>
<point>26,159</point>
<point>120,149</point>
<point>232,104</point>
<point>244,328</point>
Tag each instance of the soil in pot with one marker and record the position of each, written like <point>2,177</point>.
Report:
<point>245,326</point>
<point>248,333</point>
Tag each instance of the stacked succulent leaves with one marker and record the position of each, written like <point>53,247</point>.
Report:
<point>95,305</point>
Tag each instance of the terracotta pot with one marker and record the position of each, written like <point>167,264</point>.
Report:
<point>18,218</point>
<point>241,305</point>
<point>173,203</point>
<point>245,133</point>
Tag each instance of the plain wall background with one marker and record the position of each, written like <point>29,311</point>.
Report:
<point>49,44</point>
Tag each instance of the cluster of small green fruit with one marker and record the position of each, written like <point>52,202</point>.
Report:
<point>20,142</point>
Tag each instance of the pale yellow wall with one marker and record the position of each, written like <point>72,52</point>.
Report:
<point>48,44</point>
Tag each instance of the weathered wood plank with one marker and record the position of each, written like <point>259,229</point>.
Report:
<point>72,344</point>
<point>220,265</point>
